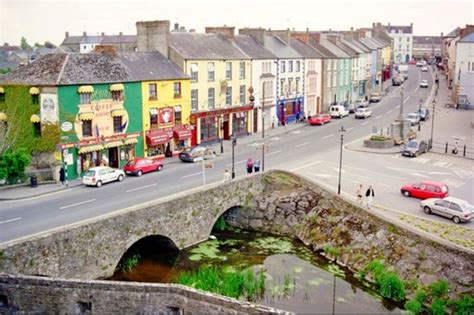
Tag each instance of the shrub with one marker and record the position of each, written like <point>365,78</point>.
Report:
<point>437,307</point>
<point>333,251</point>
<point>391,286</point>
<point>464,305</point>
<point>379,138</point>
<point>413,307</point>
<point>13,165</point>
<point>220,224</point>
<point>439,288</point>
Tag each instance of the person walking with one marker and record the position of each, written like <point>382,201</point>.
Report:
<point>370,196</point>
<point>256,165</point>
<point>62,175</point>
<point>226,178</point>
<point>359,193</point>
<point>249,166</point>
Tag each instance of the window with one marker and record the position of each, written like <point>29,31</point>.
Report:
<point>35,98</point>
<point>194,100</point>
<point>228,96</point>
<point>298,65</point>
<point>242,70</point>
<point>2,97</point>
<point>194,72</point>
<point>117,124</point>
<point>152,95</point>
<point>210,98</point>
<point>282,83</point>
<point>455,207</point>
<point>117,95</point>
<point>177,89</point>
<point>283,66</point>
<point>290,66</point>
<point>37,129</point>
<point>153,117</point>
<point>177,115</point>
<point>86,128</point>
<point>297,85</point>
<point>85,98</point>
<point>242,94</point>
<point>228,70</point>
<point>290,85</point>
<point>210,71</point>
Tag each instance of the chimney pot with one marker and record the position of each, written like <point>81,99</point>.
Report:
<point>176,26</point>
<point>120,33</point>
<point>102,34</point>
<point>67,34</point>
<point>84,34</point>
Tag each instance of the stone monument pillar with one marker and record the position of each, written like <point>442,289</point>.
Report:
<point>400,127</point>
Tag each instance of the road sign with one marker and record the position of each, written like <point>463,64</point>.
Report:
<point>65,153</point>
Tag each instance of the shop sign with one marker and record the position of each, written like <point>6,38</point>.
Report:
<point>49,108</point>
<point>166,116</point>
<point>66,126</point>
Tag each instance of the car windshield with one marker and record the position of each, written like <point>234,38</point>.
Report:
<point>414,116</point>
<point>412,144</point>
<point>131,163</point>
<point>360,110</point>
<point>90,173</point>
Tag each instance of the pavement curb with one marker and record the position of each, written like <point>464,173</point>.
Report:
<point>51,192</point>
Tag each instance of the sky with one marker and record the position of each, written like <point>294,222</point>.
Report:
<point>41,20</point>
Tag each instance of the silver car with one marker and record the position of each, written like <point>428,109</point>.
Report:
<point>455,209</point>
<point>96,176</point>
<point>413,118</point>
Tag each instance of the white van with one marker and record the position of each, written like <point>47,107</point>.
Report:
<point>338,111</point>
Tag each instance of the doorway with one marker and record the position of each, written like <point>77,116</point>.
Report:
<point>113,157</point>
<point>255,120</point>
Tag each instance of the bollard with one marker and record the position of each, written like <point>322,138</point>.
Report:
<point>446,148</point>
<point>464,151</point>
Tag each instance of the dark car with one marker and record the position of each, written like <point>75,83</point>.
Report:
<point>140,166</point>
<point>396,81</point>
<point>424,113</point>
<point>197,154</point>
<point>415,148</point>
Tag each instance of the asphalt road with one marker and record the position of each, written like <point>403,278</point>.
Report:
<point>312,151</point>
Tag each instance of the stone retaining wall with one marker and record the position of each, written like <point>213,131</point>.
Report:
<point>379,144</point>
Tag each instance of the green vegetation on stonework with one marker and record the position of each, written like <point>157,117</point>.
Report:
<point>130,262</point>
<point>235,284</point>
<point>220,224</point>
<point>331,250</point>
<point>463,306</point>
<point>13,165</point>
<point>387,282</point>
<point>379,138</point>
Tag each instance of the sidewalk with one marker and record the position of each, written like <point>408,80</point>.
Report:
<point>23,191</point>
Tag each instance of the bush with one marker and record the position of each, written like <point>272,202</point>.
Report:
<point>391,286</point>
<point>439,288</point>
<point>463,306</point>
<point>414,307</point>
<point>13,165</point>
<point>437,307</point>
<point>220,224</point>
<point>379,138</point>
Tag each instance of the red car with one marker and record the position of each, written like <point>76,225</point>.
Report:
<point>426,189</point>
<point>139,166</point>
<point>319,119</point>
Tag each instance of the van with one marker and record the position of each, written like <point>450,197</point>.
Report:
<point>338,111</point>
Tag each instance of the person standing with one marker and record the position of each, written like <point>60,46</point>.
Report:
<point>249,166</point>
<point>370,196</point>
<point>62,175</point>
<point>256,165</point>
<point>359,193</point>
<point>226,178</point>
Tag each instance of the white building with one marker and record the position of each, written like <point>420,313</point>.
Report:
<point>464,67</point>
<point>402,42</point>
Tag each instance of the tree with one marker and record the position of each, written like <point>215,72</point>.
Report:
<point>48,44</point>
<point>13,165</point>
<point>24,44</point>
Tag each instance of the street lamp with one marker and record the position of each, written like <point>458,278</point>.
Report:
<point>342,130</point>
<point>419,114</point>
<point>432,124</point>
<point>221,125</point>
<point>234,142</point>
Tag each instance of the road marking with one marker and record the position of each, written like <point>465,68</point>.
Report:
<point>417,88</point>
<point>302,144</point>
<point>349,128</point>
<point>194,174</point>
<point>452,182</point>
<point>295,132</point>
<point>390,111</point>
<point>304,166</point>
<point>11,220</point>
<point>463,173</point>
<point>364,123</point>
<point>440,164</point>
<point>378,117</point>
<point>275,138</point>
<point>328,136</point>
<point>255,144</point>
<point>77,204</point>
<point>230,164</point>
<point>421,160</point>
<point>406,99</point>
<point>438,173</point>
<point>142,187</point>
<point>275,152</point>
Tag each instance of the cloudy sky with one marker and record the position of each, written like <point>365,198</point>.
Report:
<point>40,20</point>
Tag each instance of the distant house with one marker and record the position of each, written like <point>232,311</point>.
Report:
<point>427,47</point>
<point>464,69</point>
<point>402,37</point>
<point>87,43</point>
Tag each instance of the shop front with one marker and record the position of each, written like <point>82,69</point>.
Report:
<point>167,141</point>
<point>289,110</point>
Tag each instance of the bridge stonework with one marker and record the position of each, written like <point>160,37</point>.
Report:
<point>92,249</point>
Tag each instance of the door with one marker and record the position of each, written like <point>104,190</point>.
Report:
<point>113,157</point>
<point>441,207</point>
<point>454,210</point>
<point>226,130</point>
<point>255,120</point>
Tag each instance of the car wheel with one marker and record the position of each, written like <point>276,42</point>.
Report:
<point>120,178</point>
<point>139,173</point>
<point>456,220</point>
<point>406,193</point>
<point>427,210</point>
<point>98,184</point>
<point>159,168</point>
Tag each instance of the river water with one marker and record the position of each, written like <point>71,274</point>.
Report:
<point>297,280</point>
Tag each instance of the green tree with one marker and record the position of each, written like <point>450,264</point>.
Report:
<point>24,44</point>
<point>13,165</point>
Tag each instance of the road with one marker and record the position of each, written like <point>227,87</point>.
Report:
<point>312,151</point>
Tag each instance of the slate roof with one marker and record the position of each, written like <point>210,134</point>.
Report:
<point>322,50</point>
<point>377,42</point>
<point>454,33</point>
<point>251,48</point>
<point>339,53</point>
<point>93,68</point>
<point>347,49</point>
<point>279,48</point>
<point>101,39</point>
<point>212,46</point>
<point>368,43</point>
<point>467,39</point>
<point>305,50</point>
<point>405,29</point>
<point>118,39</point>
<point>358,48</point>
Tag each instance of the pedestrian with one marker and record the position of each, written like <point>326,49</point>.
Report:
<point>256,165</point>
<point>359,193</point>
<point>226,178</point>
<point>249,166</point>
<point>62,175</point>
<point>298,117</point>
<point>370,196</point>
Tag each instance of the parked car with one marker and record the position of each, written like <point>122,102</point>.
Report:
<point>97,176</point>
<point>424,113</point>
<point>425,190</point>
<point>414,148</point>
<point>419,63</point>
<point>455,209</point>
<point>197,154</point>
<point>424,84</point>
<point>139,166</point>
<point>319,119</point>
<point>396,81</point>
<point>374,97</point>
<point>424,69</point>
<point>338,111</point>
<point>363,113</point>
<point>361,103</point>
<point>350,107</point>
<point>413,118</point>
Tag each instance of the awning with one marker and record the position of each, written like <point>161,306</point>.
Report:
<point>157,137</point>
<point>113,144</point>
<point>91,148</point>
<point>116,87</point>
<point>86,116</point>
<point>118,113</point>
<point>35,118</point>
<point>85,89</point>
<point>181,133</point>
<point>3,116</point>
<point>34,91</point>
<point>131,141</point>
<point>2,90</point>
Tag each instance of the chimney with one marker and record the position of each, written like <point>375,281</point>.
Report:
<point>102,34</point>
<point>176,26</point>
<point>227,31</point>
<point>153,36</point>
<point>284,35</point>
<point>120,33</point>
<point>67,34</point>
<point>192,30</point>
<point>106,50</point>
<point>84,34</point>
<point>257,33</point>
<point>315,36</point>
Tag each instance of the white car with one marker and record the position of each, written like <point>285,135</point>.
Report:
<point>338,111</point>
<point>455,209</point>
<point>424,69</point>
<point>419,63</point>
<point>413,118</point>
<point>363,113</point>
<point>424,83</point>
<point>97,176</point>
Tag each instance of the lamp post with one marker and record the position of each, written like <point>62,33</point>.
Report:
<point>234,142</point>
<point>263,126</point>
<point>419,114</point>
<point>342,130</point>
<point>221,125</point>
<point>432,124</point>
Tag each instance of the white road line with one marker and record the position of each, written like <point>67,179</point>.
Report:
<point>328,136</point>
<point>194,174</point>
<point>142,187</point>
<point>378,117</point>
<point>302,144</point>
<point>230,164</point>
<point>417,88</point>
<point>349,128</point>
<point>406,99</point>
<point>364,123</point>
<point>271,153</point>
<point>11,220</point>
<point>390,111</point>
<point>76,204</point>
<point>304,166</point>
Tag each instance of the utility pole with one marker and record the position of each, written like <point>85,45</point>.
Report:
<point>342,130</point>
<point>263,126</point>
<point>432,125</point>
<point>234,142</point>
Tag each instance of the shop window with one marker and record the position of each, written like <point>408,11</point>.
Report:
<point>152,93</point>
<point>208,128</point>
<point>177,89</point>
<point>242,94</point>
<point>228,96</point>
<point>153,118</point>
<point>118,124</point>
<point>177,115</point>
<point>2,97</point>
<point>86,128</point>
<point>194,100</point>
<point>242,70</point>
<point>117,95</point>
<point>289,109</point>
<point>239,123</point>
<point>85,98</point>
<point>228,71</point>
<point>37,129</point>
<point>210,96</point>
<point>156,150</point>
